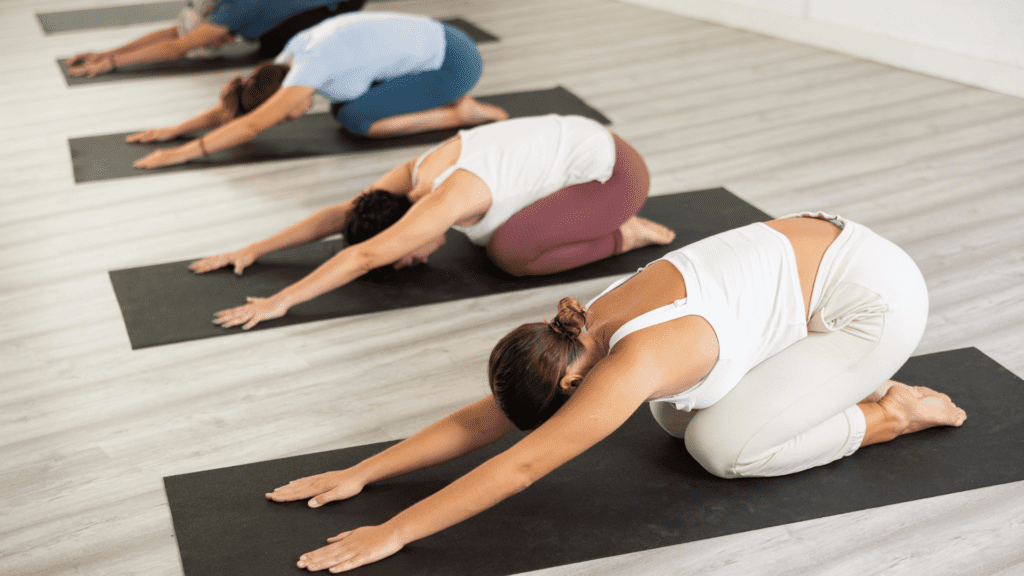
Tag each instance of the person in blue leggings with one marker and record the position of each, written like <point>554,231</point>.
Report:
<point>205,25</point>
<point>386,75</point>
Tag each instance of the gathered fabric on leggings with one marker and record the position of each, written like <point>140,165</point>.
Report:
<point>798,408</point>
<point>417,91</point>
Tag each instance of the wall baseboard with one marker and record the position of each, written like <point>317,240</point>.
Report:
<point>882,49</point>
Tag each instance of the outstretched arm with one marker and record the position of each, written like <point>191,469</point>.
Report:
<point>156,47</point>
<point>427,219</point>
<point>320,225</point>
<point>238,131</point>
<point>471,428</point>
<point>606,399</point>
<point>212,118</point>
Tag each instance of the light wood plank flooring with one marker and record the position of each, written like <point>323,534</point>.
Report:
<point>88,427</point>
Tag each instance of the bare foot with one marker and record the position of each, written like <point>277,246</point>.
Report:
<point>878,394</point>
<point>474,112</point>
<point>638,232</point>
<point>917,408</point>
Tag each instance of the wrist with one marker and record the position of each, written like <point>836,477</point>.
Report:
<point>399,530</point>
<point>284,299</point>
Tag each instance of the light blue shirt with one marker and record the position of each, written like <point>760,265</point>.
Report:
<point>342,56</point>
<point>251,18</point>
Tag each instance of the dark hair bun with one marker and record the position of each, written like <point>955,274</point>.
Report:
<point>374,212</point>
<point>571,318</point>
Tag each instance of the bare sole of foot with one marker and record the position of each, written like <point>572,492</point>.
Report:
<point>472,111</point>
<point>917,408</point>
<point>638,232</point>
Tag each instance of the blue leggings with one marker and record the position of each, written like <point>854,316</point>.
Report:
<point>417,91</point>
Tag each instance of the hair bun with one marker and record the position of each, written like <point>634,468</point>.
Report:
<point>571,318</point>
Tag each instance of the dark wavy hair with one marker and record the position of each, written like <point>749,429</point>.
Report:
<point>243,95</point>
<point>527,365</point>
<point>374,212</point>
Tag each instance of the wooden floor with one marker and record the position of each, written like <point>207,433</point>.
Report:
<point>88,427</point>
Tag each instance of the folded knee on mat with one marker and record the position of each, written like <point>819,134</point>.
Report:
<point>511,265</point>
<point>715,454</point>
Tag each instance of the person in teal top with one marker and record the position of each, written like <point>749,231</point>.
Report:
<point>205,25</point>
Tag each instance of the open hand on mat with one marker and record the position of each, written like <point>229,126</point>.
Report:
<point>321,489</point>
<point>90,64</point>
<point>352,549</point>
<point>85,58</point>
<point>251,314</point>
<point>162,157</point>
<point>240,259</point>
<point>154,135</point>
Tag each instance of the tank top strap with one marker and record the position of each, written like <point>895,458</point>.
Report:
<point>665,313</point>
<point>444,175</point>
<point>416,166</point>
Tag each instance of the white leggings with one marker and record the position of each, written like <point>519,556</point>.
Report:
<point>798,409</point>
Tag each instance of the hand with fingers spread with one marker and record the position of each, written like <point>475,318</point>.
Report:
<point>252,313</point>
<point>239,259</point>
<point>154,135</point>
<point>85,58</point>
<point>352,549</point>
<point>92,67</point>
<point>321,489</point>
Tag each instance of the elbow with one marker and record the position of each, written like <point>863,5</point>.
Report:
<point>523,477</point>
<point>364,261</point>
<point>521,483</point>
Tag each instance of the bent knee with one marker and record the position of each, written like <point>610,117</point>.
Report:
<point>716,451</point>
<point>509,263</point>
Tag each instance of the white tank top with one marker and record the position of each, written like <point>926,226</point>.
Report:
<point>745,283</point>
<point>526,159</point>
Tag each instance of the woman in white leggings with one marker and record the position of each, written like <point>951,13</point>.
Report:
<point>781,335</point>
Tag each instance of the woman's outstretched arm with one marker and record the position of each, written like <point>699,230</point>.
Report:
<point>425,221</point>
<point>471,428</point>
<point>211,118</point>
<point>156,47</point>
<point>606,399</point>
<point>285,103</point>
<point>321,224</point>
<point>158,36</point>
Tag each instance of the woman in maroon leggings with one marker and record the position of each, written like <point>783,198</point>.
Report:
<point>542,194</point>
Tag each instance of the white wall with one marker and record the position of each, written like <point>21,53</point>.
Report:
<point>976,42</point>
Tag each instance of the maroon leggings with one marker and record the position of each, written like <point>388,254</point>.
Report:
<point>576,225</point>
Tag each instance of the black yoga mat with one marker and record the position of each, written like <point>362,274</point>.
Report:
<point>237,55</point>
<point>638,489</point>
<point>53,22</point>
<point>319,134</point>
<point>166,303</point>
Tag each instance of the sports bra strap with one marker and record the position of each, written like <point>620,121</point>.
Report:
<point>665,313</point>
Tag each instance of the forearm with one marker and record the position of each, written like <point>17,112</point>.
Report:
<point>232,134</point>
<point>323,223</point>
<point>341,269</point>
<point>154,51</point>
<point>471,428</point>
<point>475,492</point>
<point>209,119</point>
<point>158,36</point>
